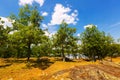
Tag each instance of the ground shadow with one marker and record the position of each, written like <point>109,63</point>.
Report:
<point>42,63</point>
<point>6,65</point>
<point>9,61</point>
<point>15,60</point>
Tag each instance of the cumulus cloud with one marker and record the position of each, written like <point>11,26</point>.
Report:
<point>23,2</point>
<point>49,34</point>
<point>12,32</point>
<point>63,13</point>
<point>7,22</point>
<point>89,26</point>
<point>48,30</point>
<point>44,26</point>
<point>78,35</point>
<point>44,14</point>
<point>41,2</point>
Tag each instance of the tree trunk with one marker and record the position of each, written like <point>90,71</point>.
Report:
<point>99,57</point>
<point>68,55</point>
<point>93,56</point>
<point>111,58</point>
<point>18,53</point>
<point>63,55</point>
<point>79,56</point>
<point>29,52</point>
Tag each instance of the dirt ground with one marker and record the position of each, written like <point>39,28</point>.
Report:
<point>53,69</point>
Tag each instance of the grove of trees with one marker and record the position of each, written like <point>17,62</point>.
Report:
<point>27,39</point>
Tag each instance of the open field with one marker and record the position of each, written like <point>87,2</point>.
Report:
<point>54,69</point>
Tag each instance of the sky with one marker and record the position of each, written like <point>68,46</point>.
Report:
<point>105,14</point>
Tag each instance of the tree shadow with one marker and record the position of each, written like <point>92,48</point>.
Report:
<point>42,63</point>
<point>15,61</point>
<point>6,65</point>
<point>8,62</point>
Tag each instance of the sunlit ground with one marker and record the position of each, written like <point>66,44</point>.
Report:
<point>19,69</point>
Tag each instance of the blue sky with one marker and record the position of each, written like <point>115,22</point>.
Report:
<point>77,13</point>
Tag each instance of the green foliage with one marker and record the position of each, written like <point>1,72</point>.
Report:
<point>95,43</point>
<point>26,39</point>
<point>43,49</point>
<point>27,27</point>
<point>64,38</point>
<point>3,40</point>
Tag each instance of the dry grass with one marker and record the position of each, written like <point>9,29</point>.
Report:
<point>11,69</point>
<point>18,70</point>
<point>59,65</point>
<point>116,60</point>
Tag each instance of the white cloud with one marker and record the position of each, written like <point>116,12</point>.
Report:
<point>44,13</point>
<point>47,33</point>
<point>50,34</point>
<point>12,32</point>
<point>63,13</point>
<point>89,26</point>
<point>44,26</point>
<point>41,2</point>
<point>7,22</point>
<point>23,2</point>
<point>48,30</point>
<point>78,35</point>
<point>79,42</point>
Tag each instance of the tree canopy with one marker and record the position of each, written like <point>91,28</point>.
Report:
<point>27,39</point>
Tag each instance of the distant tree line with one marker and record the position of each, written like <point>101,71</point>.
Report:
<point>27,39</point>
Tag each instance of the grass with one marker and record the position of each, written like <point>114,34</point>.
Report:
<point>19,69</point>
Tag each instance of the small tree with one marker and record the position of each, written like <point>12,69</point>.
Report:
<point>113,50</point>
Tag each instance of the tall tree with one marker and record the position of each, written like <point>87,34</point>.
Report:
<point>64,37</point>
<point>27,26</point>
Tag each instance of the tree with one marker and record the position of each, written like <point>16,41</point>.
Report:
<point>118,43</point>
<point>64,38</point>
<point>4,39</point>
<point>27,27</point>
<point>113,50</point>
<point>95,43</point>
<point>73,47</point>
<point>43,49</point>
